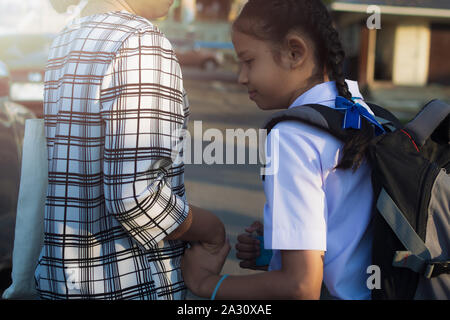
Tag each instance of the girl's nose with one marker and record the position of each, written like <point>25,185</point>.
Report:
<point>242,79</point>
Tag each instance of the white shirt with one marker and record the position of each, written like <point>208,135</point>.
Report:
<point>312,206</point>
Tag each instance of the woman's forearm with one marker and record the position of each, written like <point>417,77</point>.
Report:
<point>200,225</point>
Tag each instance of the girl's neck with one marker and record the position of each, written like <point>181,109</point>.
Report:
<point>103,6</point>
<point>313,81</point>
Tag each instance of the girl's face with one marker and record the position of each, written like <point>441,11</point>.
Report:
<point>271,84</point>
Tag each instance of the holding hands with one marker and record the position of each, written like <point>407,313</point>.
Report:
<point>201,267</point>
<point>202,262</point>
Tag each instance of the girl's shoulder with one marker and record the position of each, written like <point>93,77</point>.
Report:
<point>305,143</point>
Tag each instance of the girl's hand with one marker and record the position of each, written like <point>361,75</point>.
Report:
<point>248,248</point>
<point>199,264</point>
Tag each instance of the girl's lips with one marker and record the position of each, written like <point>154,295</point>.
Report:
<point>252,94</point>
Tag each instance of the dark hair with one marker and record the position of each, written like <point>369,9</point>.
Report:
<point>272,20</point>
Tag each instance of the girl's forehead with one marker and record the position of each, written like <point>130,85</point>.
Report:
<point>237,36</point>
<point>244,43</point>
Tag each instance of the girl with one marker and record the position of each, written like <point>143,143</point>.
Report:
<point>116,207</point>
<point>318,210</point>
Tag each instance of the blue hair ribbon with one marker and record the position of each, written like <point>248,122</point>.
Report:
<point>353,113</point>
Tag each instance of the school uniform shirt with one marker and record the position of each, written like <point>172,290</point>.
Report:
<point>114,113</point>
<point>312,206</point>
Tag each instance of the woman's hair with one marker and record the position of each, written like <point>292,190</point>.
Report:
<point>61,5</point>
<point>272,20</point>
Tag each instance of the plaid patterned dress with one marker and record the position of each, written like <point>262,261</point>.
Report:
<point>115,109</point>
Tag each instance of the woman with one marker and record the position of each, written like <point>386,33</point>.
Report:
<point>116,212</point>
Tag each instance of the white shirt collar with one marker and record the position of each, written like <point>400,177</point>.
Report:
<point>325,94</point>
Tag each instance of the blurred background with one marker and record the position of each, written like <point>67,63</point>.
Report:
<point>401,65</point>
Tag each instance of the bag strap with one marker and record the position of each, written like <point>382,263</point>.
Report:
<point>427,120</point>
<point>327,118</point>
<point>400,225</point>
<point>313,114</point>
<point>429,269</point>
<point>417,257</point>
<point>321,117</point>
<point>385,117</point>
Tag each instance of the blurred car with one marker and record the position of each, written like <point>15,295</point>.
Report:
<point>190,54</point>
<point>12,127</point>
<point>26,57</point>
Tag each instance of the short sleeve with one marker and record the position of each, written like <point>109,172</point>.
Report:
<point>295,212</point>
<point>143,107</point>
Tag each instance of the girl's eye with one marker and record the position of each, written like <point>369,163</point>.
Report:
<point>245,61</point>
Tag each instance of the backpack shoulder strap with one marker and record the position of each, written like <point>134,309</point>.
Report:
<point>319,116</point>
<point>384,116</point>
<point>326,118</point>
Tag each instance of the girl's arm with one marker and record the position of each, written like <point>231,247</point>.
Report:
<point>299,278</point>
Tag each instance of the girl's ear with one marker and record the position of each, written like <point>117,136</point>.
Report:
<point>298,50</point>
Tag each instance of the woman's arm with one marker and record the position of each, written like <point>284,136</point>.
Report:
<point>203,226</point>
<point>143,109</point>
<point>299,278</point>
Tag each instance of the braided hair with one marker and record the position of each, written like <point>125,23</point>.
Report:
<point>272,20</point>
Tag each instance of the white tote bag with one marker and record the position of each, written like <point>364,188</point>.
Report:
<point>29,230</point>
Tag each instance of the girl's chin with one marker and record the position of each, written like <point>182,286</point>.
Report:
<point>269,107</point>
<point>262,104</point>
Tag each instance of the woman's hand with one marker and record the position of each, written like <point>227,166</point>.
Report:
<point>201,226</point>
<point>199,265</point>
<point>248,248</point>
<point>215,242</point>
